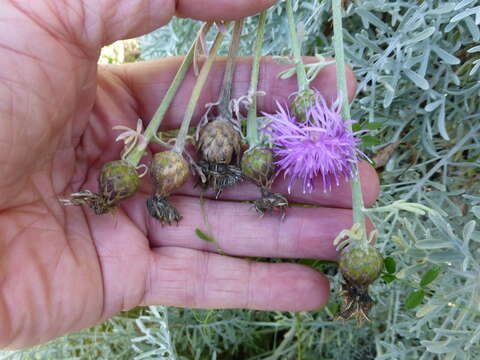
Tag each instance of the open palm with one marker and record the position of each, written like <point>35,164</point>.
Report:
<point>63,268</point>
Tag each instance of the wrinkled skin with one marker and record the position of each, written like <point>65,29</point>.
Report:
<point>63,268</point>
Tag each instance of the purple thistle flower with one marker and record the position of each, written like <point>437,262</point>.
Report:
<point>322,145</point>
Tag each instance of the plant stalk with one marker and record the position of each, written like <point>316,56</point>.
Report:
<point>226,92</point>
<point>357,199</point>
<point>136,154</point>
<point>197,89</point>
<point>297,56</point>
<point>252,129</point>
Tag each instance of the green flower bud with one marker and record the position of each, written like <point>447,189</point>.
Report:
<point>258,166</point>
<point>359,266</point>
<point>301,102</point>
<point>117,181</point>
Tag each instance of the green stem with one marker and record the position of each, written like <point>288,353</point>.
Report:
<point>226,92</point>
<point>136,154</point>
<point>197,89</point>
<point>252,129</point>
<point>357,200</point>
<point>297,56</point>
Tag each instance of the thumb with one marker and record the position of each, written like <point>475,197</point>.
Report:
<point>115,20</point>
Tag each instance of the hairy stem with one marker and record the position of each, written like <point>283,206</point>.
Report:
<point>136,154</point>
<point>197,89</point>
<point>357,200</point>
<point>252,129</point>
<point>297,56</point>
<point>226,92</point>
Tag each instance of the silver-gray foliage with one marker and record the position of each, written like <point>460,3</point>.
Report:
<point>417,67</point>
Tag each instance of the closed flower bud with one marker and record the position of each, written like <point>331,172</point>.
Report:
<point>359,266</point>
<point>301,103</point>
<point>117,181</point>
<point>218,142</point>
<point>169,170</point>
<point>258,166</point>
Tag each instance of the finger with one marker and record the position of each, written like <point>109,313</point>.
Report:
<point>109,21</point>
<point>149,81</point>
<point>220,10</point>
<point>339,196</point>
<point>238,230</point>
<point>191,278</point>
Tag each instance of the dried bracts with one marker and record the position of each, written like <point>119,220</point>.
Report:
<point>219,143</point>
<point>168,170</point>
<point>118,180</point>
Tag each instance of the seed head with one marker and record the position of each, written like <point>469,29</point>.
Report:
<point>218,142</point>
<point>169,171</point>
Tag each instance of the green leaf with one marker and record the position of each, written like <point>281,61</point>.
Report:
<point>390,265</point>
<point>333,307</point>
<point>414,299</point>
<point>204,236</point>
<point>369,140</point>
<point>388,278</point>
<point>376,125</point>
<point>430,275</point>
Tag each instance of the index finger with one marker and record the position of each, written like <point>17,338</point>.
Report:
<point>148,82</point>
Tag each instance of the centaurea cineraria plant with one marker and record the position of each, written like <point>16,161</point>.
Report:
<point>320,142</point>
<point>257,162</point>
<point>322,145</point>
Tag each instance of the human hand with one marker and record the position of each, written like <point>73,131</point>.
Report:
<point>63,268</point>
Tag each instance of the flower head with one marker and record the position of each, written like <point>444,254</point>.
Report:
<point>322,145</point>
